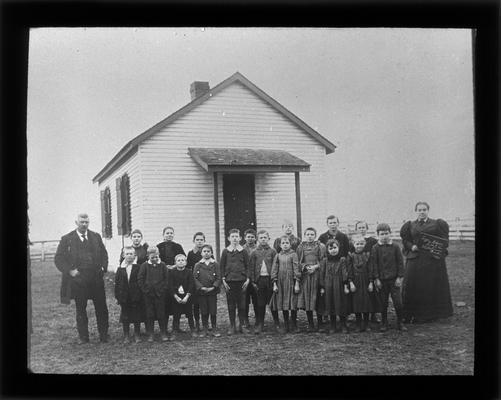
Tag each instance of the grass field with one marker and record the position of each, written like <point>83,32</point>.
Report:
<point>445,347</point>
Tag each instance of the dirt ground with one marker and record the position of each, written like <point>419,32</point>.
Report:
<point>445,347</point>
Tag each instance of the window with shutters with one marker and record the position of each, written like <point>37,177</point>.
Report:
<point>106,213</point>
<point>123,205</point>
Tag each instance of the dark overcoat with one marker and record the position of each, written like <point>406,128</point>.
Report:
<point>67,255</point>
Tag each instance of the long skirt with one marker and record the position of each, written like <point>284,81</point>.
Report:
<point>309,289</point>
<point>336,301</point>
<point>361,300</point>
<point>426,292</point>
<point>285,299</point>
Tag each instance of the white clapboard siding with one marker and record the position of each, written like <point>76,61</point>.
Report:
<point>131,167</point>
<point>178,192</point>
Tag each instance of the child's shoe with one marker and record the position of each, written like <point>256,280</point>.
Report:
<point>401,326</point>
<point>150,338</point>
<point>126,339</point>
<point>384,326</point>
<point>215,332</point>
<point>311,328</point>
<point>194,333</point>
<point>231,330</point>
<point>164,337</point>
<point>294,328</point>
<point>203,333</point>
<point>243,329</point>
<point>257,329</point>
<point>137,338</point>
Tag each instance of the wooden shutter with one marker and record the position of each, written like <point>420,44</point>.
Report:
<point>103,214</point>
<point>119,205</point>
<point>107,213</point>
<point>126,226</point>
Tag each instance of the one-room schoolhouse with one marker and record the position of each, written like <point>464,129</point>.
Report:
<point>233,157</point>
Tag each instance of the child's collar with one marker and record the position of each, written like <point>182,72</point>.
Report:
<point>149,262</point>
<point>263,246</point>
<point>124,264</point>
<point>196,249</point>
<point>230,248</point>
<point>207,261</point>
<point>382,244</point>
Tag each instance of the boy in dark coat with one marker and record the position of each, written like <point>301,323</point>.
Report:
<point>181,287</point>
<point>250,245</point>
<point>387,270</point>
<point>153,281</point>
<point>207,282</point>
<point>235,275</point>
<point>194,256</point>
<point>260,264</point>
<point>129,295</point>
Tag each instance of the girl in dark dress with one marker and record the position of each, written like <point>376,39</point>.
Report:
<point>310,252</point>
<point>359,277</point>
<point>140,249</point>
<point>168,250</point>
<point>333,286</point>
<point>361,228</point>
<point>426,292</point>
<point>129,295</point>
<point>181,285</point>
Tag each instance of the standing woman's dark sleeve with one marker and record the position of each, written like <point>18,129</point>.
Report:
<point>405,234</point>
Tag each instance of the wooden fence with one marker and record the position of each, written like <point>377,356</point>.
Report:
<point>459,229</point>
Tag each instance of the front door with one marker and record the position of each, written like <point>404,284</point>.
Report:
<point>239,203</point>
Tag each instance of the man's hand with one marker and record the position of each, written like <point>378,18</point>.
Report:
<point>246,283</point>
<point>275,287</point>
<point>74,272</point>
<point>226,286</point>
<point>398,282</point>
<point>414,248</point>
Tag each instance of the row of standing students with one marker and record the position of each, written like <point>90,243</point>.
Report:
<point>327,276</point>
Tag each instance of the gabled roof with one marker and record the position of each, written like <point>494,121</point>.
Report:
<point>247,160</point>
<point>131,147</point>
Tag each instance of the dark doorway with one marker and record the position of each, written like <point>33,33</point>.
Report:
<point>239,203</point>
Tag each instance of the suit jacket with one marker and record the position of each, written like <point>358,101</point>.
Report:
<point>66,259</point>
<point>127,288</point>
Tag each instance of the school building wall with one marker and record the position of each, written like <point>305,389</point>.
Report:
<point>131,167</point>
<point>177,191</point>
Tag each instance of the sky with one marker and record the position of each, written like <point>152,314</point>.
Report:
<point>398,103</point>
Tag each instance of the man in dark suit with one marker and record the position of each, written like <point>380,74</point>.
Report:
<point>83,260</point>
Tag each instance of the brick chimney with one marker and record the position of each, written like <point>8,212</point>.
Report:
<point>198,89</point>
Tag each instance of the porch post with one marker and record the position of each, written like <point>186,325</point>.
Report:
<point>298,206</point>
<point>216,216</point>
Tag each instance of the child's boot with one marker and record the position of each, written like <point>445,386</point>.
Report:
<point>311,324</point>
<point>126,339</point>
<point>232,329</point>
<point>344,327</point>
<point>321,326</point>
<point>137,333</point>
<point>332,328</point>
<point>384,322</point>
<point>242,328</point>
<point>294,328</point>
<point>358,317</point>
<point>400,324</point>
<point>365,322</point>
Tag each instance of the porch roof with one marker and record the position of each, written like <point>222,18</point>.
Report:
<point>247,160</point>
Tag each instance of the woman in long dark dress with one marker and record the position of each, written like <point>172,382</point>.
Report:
<point>426,292</point>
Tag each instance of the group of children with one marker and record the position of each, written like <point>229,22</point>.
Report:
<point>329,276</point>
